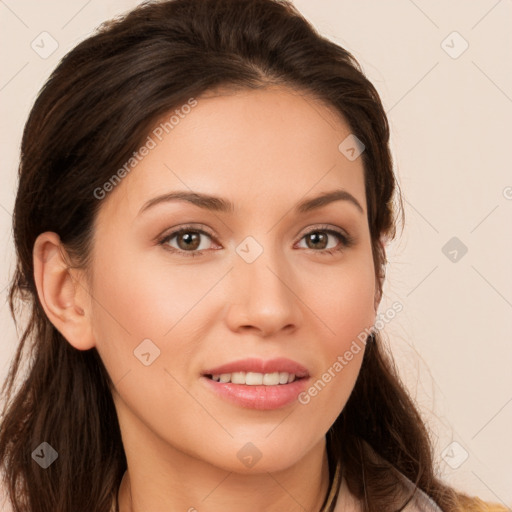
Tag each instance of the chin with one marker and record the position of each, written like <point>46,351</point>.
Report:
<point>261,454</point>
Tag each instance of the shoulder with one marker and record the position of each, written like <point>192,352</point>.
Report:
<point>420,502</point>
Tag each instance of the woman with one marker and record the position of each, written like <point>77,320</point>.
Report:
<point>205,193</point>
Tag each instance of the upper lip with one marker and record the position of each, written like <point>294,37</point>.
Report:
<point>280,364</point>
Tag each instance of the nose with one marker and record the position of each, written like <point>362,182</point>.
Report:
<point>264,296</point>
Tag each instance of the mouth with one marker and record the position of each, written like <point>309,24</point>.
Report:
<point>258,384</point>
<point>255,378</point>
<point>256,372</point>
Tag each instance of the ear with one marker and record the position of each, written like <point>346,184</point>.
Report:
<point>382,272</point>
<point>64,297</point>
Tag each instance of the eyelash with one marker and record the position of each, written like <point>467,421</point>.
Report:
<point>345,239</point>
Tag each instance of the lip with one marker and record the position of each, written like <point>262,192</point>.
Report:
<point>280,364</point>
<point>262,397</point>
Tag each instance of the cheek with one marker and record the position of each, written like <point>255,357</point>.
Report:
<point>147,300</point>
<point>343,301</point>
<point>136,300</point>
<point>344,304</point>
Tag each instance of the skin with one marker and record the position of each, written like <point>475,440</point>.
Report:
<point>265,151</point>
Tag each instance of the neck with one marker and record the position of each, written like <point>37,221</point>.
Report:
<point>272,492</point>
<point>160,477</point>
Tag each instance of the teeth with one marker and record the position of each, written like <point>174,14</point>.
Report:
<point>238,378</point>
<point>283,377</point>
<point>271,379</point>
<point>255,379</point>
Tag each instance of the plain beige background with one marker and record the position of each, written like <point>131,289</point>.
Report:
<point>443,72</point>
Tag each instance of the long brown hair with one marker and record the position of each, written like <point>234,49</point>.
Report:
<point>94,111</point>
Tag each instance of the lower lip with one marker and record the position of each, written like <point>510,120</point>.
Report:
<point>264,398</point>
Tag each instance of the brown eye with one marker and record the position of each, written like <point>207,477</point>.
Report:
<point>319,240</point>
<point>187,241</point>
<point>316,240</point>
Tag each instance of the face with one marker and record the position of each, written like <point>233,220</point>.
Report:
<point>183,287</point>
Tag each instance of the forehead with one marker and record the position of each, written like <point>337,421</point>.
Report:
<point>246,145</point>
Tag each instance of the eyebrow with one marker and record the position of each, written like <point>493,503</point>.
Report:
<point>218,204</point>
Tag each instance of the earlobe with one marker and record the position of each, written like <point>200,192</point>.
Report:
<point>63,298</point>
